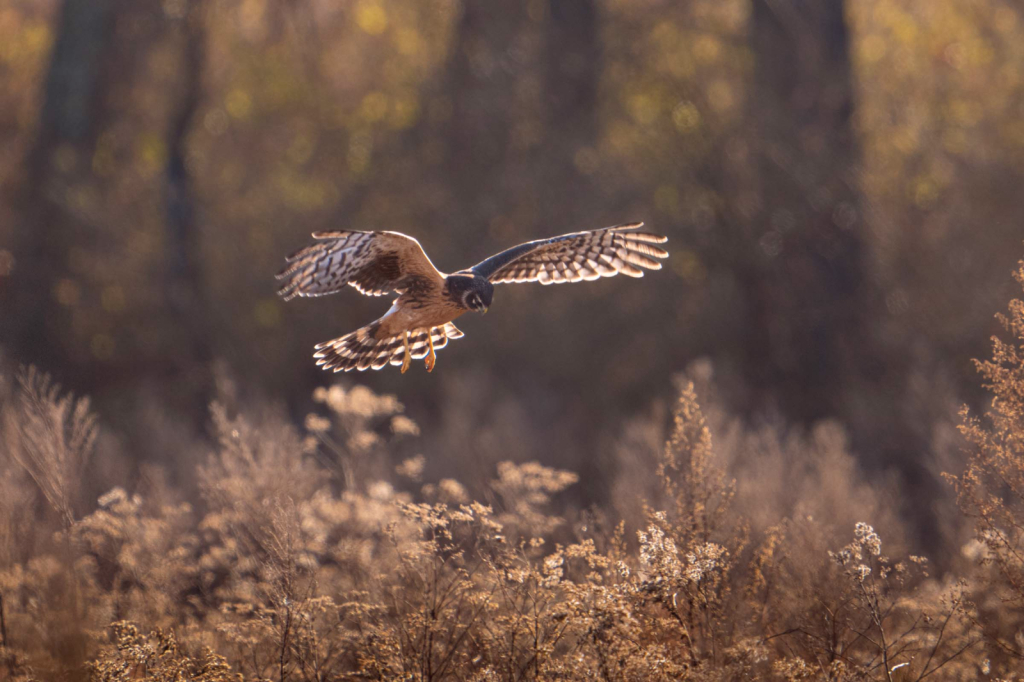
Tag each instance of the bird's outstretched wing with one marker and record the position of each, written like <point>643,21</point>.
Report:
<point>372,262</point>
<point>577,256</point>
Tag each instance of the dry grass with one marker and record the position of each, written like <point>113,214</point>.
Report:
<point>321,554</point>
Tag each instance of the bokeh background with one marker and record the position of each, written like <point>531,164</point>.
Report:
<point>840,183</point>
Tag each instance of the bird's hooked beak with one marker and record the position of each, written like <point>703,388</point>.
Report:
<point>486,308</point>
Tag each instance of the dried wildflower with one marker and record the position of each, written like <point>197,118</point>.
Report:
<point>359,401</point>
<point>380,490</point>
<point>412,468</point>
<point>452,491</point>
<point>161,658</point>
<point>553,569</point>
<point>842,557</point>
<point>113,497</point>
<point>704,560</point>
<point>317,424</point>
<point>868,538</point>
<point>363,440</point>
<point>51,436</point>
<point>404,426</point>
<point>659,552</point>
<point>433,585</point>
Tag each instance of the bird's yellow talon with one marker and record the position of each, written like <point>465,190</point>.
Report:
<point>429,362</point>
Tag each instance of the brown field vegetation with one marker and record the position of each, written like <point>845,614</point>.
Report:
<point>727,553</point>
<point>771,460</point>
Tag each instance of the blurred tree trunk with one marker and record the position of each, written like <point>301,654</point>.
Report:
<point>65,225</point>
<point>522,85</point>
<point>572,67</point>
<point>185,287</point>
<point>812,337</point>
<point>572,59</point>
<point>491,62</point>
<point>452,174</point>
<point>501,129</point>
<point>801,261</point>
<point>60,159</point>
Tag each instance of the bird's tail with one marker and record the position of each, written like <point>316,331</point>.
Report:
<point>362,350</point>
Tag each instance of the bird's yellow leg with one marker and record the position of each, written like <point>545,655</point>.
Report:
<point>408,356</point>
<point>429,362</point>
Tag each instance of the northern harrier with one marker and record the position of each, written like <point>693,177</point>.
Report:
<point>420,319</point>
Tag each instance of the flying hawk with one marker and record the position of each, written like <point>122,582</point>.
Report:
<point>420,319</point>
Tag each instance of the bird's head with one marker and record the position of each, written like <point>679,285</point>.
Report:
<point>471,291</point>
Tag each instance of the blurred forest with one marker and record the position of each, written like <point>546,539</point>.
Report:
<point>840,185</point>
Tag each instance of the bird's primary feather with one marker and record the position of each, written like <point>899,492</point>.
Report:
<point>374,263</point>
<point>577,256</point>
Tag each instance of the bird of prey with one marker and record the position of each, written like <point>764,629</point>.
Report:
<point>420,319</point>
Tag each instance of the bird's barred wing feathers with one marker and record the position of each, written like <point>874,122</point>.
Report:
<point>577,256</point>
<point>361,350</point>
<point>374,263</point>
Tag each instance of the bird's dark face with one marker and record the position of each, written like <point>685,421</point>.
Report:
<point>470,291</point>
